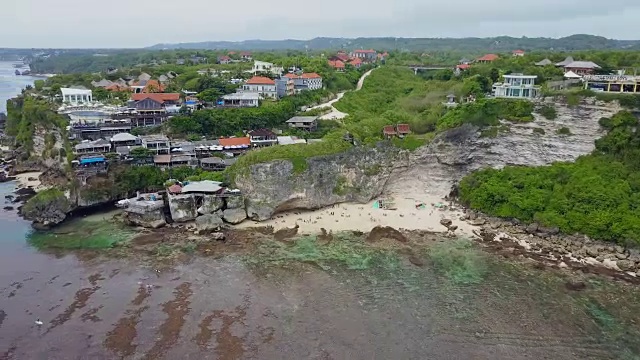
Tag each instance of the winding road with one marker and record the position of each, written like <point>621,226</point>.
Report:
<point>335,114</point>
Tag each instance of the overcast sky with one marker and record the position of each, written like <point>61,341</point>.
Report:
<point>140,23</point>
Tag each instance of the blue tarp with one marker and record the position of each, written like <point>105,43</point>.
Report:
<point>92,160</point>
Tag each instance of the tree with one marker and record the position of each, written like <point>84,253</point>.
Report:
<point>494,75</point>
<point>141,153</point>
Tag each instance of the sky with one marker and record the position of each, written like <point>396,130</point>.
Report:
<point>141,23</point>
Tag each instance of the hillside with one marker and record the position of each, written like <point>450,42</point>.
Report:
<point>501,43</point>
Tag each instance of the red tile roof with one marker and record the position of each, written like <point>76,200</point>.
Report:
<point>518,51</point>
<point>260,80</point>
<point>234,141</point>
<point>336,64</point>
<point>245,53</point>
<point>153,86</point>
<point>159,97</point>
<point>403,128</point>
<point>224,58</point>
<point>364,51</point>
<point>463,66</point>
<point>355,61</point>
<point>389,130</point>
<point>489,57</point>
<point>261,132</point>
<point>232,52</point>
<point>311,76</point>
<point>175,189</point>
<point>117,87</point>
<point>291,76</point>
<point>342,56</point>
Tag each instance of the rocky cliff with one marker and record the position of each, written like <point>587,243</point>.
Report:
<point>357,175</point>
<point>433,169</point>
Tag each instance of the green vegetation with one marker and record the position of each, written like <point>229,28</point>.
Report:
<point>345,249</point>
<point>494,131</point>
<point>92,232</point>
<point>563,131</point>
<point>487,112</point>
<point>409,142</point>
<point>598,195</point>
<point>459,261</point>
<point>44,199</point>
<point>342,186</point>
<point>548,111</point>
<point>25,114</point>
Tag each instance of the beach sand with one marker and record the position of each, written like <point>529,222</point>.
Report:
<point>23,180</point>
<point>364,217</point>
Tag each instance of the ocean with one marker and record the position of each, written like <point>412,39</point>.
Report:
<point>10,83</point>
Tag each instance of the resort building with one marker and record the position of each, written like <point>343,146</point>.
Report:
<point>612,83</point>
<point>306,81</point>
<point>308,123</point>
<point>76,97</point>
<point>158,144</point>
<point>99,146</point>
<point>487,58</point>
<point>517,86</point>
<point>240,99</point>
<point>582,67</point>
<point>262,137</point>
<point>264,86</point>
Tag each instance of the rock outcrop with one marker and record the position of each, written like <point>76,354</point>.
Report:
<point>149,214</point>
<point>208,223</point>
<point>210,204</point>
<point>47,208</point>
<point>435,168</point>
<point>357,175</point>
<point>183,207</point>
<point>234,216</point>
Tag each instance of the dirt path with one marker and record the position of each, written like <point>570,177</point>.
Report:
<point>335,114</point>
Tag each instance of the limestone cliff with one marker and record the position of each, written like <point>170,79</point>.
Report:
<point>435,168</point>
<point>357,175</point>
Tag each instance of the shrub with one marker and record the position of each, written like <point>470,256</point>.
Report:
<point>548,111</point>
<point>563,131</point>
<point>538,131</point>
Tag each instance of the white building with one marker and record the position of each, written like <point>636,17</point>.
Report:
<point>266,67</point>
<point>76,96</point>
<point>517,86</point>
<point>241,99</point>
<point>261,85</point>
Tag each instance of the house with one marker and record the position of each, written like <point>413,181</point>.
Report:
<point>195,59</point>
<point>365,55</point>
<point>582,67</point>
<point>337,64</point>
<point>170,161</point>
<point>216,163</point>
<point>261,85</point>
<point>236,145</point>
<point>91,147</point>
<point>355,62</point>
<point>403,129</point>
<point>123,139</point>
<point>568,60</point>
<point>463,66</point>
<point>518,53</point>
<point>262,137</point>
<point>464,61</point>
<point>164,98</point>
<point>240,99</point>
<point>306,81</point>
<point>383,57</point>
<point>246,56</point>
<point>341,55</point>
<point>544,62</point>
<point>102,83</point>
<point>612,83</point>
<point>224,59</point>
<point>517,86</point>
<point>451,101</point>
<point>76,97</point>
<point>89,165</point>
<point>308,123</point>
<point>487,58</point>
<point>389,131</point>
<point>266,67</point>
<point>285,86</point>
<point>159,144</point>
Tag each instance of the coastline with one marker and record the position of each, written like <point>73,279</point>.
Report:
<point>26,180</point>
<point>424,213</point>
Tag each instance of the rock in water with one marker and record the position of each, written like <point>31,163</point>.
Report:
<point>234,216</point>
<point>47,208</point>
<point>208,223</point>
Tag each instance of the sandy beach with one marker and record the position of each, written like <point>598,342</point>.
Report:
<point>23,180</point>
<point>419,213</point>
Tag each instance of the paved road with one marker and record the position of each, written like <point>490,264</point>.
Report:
<point>335,114</point>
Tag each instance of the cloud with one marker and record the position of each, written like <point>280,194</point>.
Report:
<point>126,23</point>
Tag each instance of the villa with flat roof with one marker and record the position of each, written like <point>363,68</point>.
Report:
<point>612,83</point>
<point>517,86</point>
<point>76,97</point>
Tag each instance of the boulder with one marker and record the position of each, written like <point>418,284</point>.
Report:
<point>625,265</point>
<point>48,208</point>
<point>234,202</point>
<point>234,216</point>
<point>182,207</point>
<point>208,223</point>
<point>532,228</point>
<point>592,251</point>
<point>477,222</point>
<point>210,204</point>
<point>446,222</point>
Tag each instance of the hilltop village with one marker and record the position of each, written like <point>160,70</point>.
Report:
<point>173,140</point>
